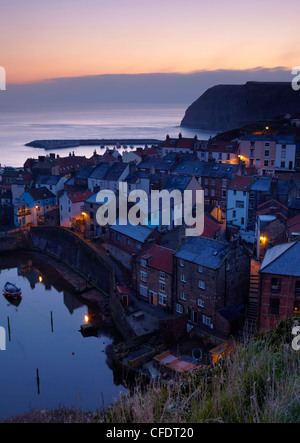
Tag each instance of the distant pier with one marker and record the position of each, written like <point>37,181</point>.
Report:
<point>63,144</point>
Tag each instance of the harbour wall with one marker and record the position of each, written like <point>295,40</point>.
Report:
<point>68,248</point>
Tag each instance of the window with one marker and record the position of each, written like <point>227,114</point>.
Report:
<point>251,152</point>
<point>297,287</point>
<point>282,164</point>
<point>201,284</point>
<point>267,152</point>
<point>181,263</point>
<point>143,263</point>
<point>224,183</point>
<point>274,306</point>
<point>275,285</point>
<point>182,296</point>
<point>206,320</point>
<point>283,154</point>
<point>137,246</point>
<point>242,221</point>
<point>127,242</point>
<point>200,269</point>
<point>200,302</point>
<point>233,214</point>
<point>213,182</point>
<point>119,237</point>
<point>144,276</point>
<point>91,215</point>
<point>144,291</point>
<point>252,144</point>
<point>162,275</point>
<point>205,191</point>
<point>162,286</point>
<point>223,193</point>
<point>162,299</point>
<point>239,204</point>
<point>182,278</point>
<point>179,308</point>
<point>267,144</point>
<point>266,163</point>
<point>212,193</point>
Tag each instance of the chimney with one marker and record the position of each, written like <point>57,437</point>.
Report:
<point>41,158</point>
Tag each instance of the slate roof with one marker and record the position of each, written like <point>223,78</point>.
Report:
<point>138,233</point>
<point>203,251</point>
<point>220,170</point>
<point>156,163</point>
<point>85,172</point>
<point>40,193</point>
<point>115,171</point>
<point>194,168</point>
<point>48,180</point>
<point>80,196</point>
<point>99,171</point>
<point>241,183</point>
<point>283,259</point>
<point>262,184</point>
<point>177,182</point>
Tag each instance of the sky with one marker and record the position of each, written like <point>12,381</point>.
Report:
<point>41,39</point>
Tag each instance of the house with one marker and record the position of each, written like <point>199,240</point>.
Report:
<point>70,164</point>
<point>154,277</point>
<point>238,202</point>
<point>264,189</point>
<point>71,208</point>
<point>293,228</point>
<point>178,145</point>
<point>156,166</point>
<point>259,151</point>
<point>208,276</point>
<point>18,187</point>
<point>285,153</point>
<point>268,153</point>
<point>96,177</point>
<point>279,293</point>
<point>215,181</point>
<point>126,242</point>
<point>54,183</point>
<point>92,229</point>
<point>190,168</point>
<point>34,203</point>
<point>221,151</point>
<point>44,165</point>
<point>270,230</point>
<point>115,174</point>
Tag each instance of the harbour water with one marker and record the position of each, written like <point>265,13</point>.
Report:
<point>43,332</point>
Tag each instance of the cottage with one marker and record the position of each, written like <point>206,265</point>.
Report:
<point>208,276</point>
<point>279,294</point>
<point>154,274</point>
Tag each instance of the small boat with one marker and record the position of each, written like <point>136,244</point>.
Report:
<point>14,300</point>
<point>11,290</point>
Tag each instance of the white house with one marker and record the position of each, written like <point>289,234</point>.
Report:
<point>285,153</point>
<point>71,207</point>
<point>238,202</point>
<point>54,183</point>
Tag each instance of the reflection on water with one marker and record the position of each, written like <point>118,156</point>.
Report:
<point>48,362</point>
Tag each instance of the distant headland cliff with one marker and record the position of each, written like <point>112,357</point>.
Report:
<point>224,107</point>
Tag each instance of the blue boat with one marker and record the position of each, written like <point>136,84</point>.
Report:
<point>11,290</point>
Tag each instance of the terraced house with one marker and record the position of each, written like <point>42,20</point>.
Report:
<point>211,283</point>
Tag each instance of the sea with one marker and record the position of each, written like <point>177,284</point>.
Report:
<point>91,121</point>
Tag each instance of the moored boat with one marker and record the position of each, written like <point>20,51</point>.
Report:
<point>11,290</point>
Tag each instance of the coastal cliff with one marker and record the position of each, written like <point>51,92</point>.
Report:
<point>225,107</point>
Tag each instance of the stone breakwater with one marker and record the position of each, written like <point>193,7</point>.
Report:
<point>62,144</point>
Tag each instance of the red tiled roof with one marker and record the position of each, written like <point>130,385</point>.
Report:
<point>123,290</point>
<point>160,258</point>
<point>81,196</point>
<point>293,221</point>
<point>210,227</point>
<point>275,202</point>
<point>180,143</point>
<point>241,183</point>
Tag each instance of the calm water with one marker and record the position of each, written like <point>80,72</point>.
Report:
<point>73,370</point>
<point>105,121</point>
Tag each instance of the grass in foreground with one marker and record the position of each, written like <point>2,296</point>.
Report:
<point>257,383</point>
